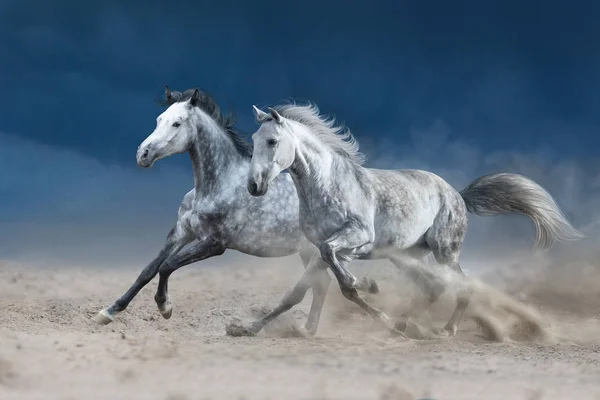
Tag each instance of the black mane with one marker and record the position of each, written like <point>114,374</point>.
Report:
<point>225,121</point>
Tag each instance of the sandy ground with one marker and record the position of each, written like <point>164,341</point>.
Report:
<point>50,348</point>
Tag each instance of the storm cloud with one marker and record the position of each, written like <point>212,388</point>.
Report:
<point>459,89</point>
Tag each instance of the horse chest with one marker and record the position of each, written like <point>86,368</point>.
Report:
<point>319,220</point>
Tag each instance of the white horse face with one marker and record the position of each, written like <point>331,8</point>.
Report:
<point>274,151</point>
<point>174,133</point>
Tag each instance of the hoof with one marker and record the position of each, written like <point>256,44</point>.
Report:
<point>309,331</point>
<point>368,284</point>
<point>439,331</point>
<point>373,287</point>
<point>400,334</point>
<point>165,309</point>
<point>489,330</point>
<point>416,331</point>
<point>446,331</point>
<point>236,329</point>
<point>449,330</point>
<point>398,329</point>
<point>103,317</point>
<point>401,325</point>
<point>293,331</point>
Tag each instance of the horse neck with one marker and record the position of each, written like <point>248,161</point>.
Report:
<point>312,167</point>
<point>214,159</point>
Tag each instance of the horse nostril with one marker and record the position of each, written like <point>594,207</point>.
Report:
<point>252,187</point>
<point>145,155</point>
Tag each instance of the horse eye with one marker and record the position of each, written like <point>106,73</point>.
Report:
<point>272,142</point>
<point>176,124</point>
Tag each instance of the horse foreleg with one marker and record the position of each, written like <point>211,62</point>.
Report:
<point>197,252</point>
<point>176,240</point>
<point>348,238</point>
<point>319,289</point>
<point>312,274</point>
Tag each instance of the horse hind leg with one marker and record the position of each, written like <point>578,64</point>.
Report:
<point>446,249</point>
<point>462,302</point>
<point>430,285</point>
<point>448,257</point>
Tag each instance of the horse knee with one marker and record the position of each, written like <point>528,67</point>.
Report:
<point>349,293</point>
<point>167,267</point>
<point>326,253</point>
<point>345,278</point>
<point>147,275</point>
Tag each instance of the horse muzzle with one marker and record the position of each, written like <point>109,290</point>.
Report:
<point>256,189</point>
<point>144,157</point>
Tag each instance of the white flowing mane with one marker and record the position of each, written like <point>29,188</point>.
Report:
<point>337,137</point>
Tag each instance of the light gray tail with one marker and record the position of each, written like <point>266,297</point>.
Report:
<point>512,193</point>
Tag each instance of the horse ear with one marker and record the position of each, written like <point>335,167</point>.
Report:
<point>260,114</point>
<point>169,96</point>
<point>195,98</point>
<point>275,115</point>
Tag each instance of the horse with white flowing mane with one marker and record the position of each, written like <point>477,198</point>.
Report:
<point>352,212</point>
<point>218,213</point>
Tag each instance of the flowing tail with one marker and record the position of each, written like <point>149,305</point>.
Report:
<point>512,193</point>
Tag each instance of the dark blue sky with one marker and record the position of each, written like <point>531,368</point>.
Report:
<point>445,85</point>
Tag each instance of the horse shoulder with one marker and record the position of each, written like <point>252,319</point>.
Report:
<point>186,204</point>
